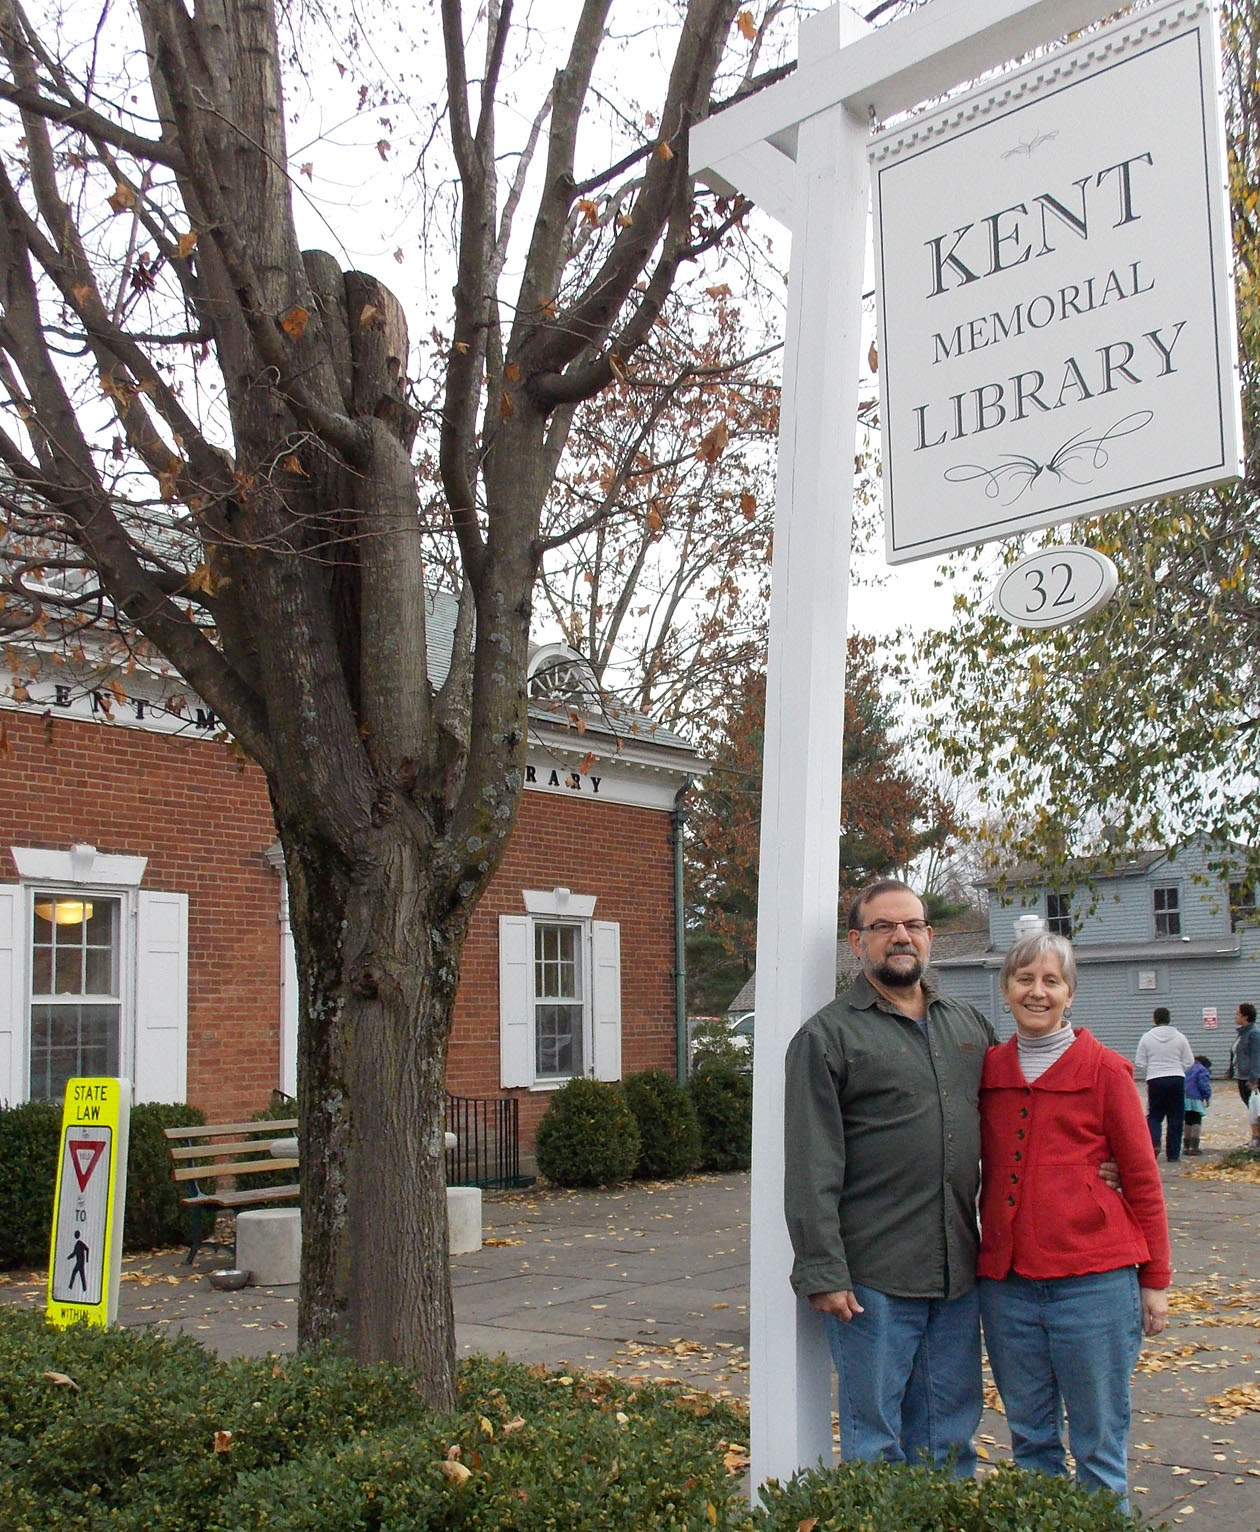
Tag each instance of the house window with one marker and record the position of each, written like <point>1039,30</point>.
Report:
<point>559,1001</point>
<point>1242,906</point>
<point>75,998</point>
<point>1167,897</point>
<point>1059,914</point>
<point>559,992</point>
<point>93,976</point>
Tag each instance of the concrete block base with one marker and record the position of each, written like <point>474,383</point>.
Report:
<point>269,1244</point>
<point>463,1215</point>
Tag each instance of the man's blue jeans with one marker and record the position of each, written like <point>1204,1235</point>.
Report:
<point>1072,1342</point>
<point>909,1373</point>
<point>1166,1098</point>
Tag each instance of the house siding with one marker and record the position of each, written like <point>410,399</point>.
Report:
<point>1118,989</point>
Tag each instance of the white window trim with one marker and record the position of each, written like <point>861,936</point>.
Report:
<point>81,864</point>
<point>601,957</point>
<point>153,968</point>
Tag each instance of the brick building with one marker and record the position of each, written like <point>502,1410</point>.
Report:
<point>143,929</point>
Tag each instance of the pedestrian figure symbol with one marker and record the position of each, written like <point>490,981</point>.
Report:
<point>79,1256</point>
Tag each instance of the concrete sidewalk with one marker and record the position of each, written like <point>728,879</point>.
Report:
<point>651,1282</point>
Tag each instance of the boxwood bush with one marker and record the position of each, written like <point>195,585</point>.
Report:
<point>722,1096</point>
<point>886,1497</point>
<point>29,1137</point>
<point>588,1135</point>
<point>131,1431</point>
<point>669,1135</point>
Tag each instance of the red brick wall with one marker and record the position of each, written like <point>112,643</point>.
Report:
<point>621,855</point>
<point>202,818</point>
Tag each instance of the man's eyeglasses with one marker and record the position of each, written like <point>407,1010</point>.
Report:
<point>887,927</point>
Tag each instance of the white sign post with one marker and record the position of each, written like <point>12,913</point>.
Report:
<point>798,149</point>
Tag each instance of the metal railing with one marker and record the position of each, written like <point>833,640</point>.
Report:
<point>488,1151</point>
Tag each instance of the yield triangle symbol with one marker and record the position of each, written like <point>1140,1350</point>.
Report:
<point>84,1153</point>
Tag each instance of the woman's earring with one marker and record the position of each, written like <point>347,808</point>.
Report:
<point>1067,1013</point>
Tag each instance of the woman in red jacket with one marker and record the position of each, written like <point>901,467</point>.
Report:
<point>1072,1273</point>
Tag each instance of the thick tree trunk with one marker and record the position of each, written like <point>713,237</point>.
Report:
<point>377,972</point>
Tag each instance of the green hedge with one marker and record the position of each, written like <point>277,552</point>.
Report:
<point>669,1135</point>
<point>588,1135</point>
<point>138,1439</point>
<point>29,1137</point>
<point>722,1096</point>
<point>882,1497</point>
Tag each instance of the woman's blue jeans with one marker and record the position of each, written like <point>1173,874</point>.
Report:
<point>1071,1343</point>
<point>909,1375</point>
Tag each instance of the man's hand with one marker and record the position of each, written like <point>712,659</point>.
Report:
<point>1154,1310</point>
<point>1109,1174</point>
<point>843,1305</point>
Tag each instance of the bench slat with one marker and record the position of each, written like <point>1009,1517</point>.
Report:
<point>260,1146</point>
<point>241,1197</point>
<point>233,1168</point>
<point>271,1126</point>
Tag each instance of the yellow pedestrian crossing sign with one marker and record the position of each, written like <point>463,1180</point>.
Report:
<point>88,1205</point>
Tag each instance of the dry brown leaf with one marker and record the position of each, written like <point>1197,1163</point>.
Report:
<point>62,1380</point>
<point>83,293</point>
<point>664,152</point>
<point>308,170</point>
<point>382,148</point>
<point>506,408</point>
<point>222,1442</point>
<point>512,372</point>
<point>748,27</point>
<point>713,443</point>
<point>456,1472</point>
<point>293,463</point>
<point>872,357</point>
<point>122,198</point>
<point>807,1525</point>
<point>370,316</point>
<point>186,244</point>
<point>748,505</point>
<point>588,209</point>
<point>503,1242</point>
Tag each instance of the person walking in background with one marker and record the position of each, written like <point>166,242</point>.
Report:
<point>1198,1099</point>
<point>1245,1054</point>
<point>1162,1059</point>
<point>1071,1273</point>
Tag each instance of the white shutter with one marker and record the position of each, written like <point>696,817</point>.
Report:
<point>606,999</point>
<point>14,1086</point>
<point>516,1000</point>
<point>160,1071</point>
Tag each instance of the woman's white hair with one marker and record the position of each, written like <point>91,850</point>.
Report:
<point>1028,948</point>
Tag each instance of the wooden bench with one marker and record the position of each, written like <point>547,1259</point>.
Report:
<point>218,1161</point>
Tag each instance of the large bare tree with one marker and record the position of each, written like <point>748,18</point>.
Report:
<point>264,531</point>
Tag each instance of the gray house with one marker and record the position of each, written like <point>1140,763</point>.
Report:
<point>1162,928</point>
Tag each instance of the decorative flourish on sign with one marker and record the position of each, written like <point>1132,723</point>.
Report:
<point>1028,145</point>
<point>1017,473</point>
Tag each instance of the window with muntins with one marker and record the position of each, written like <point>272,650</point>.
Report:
<point>1059,914</point>
<point>559,1000</point>
<point>1242,906</point>
<point>75,994</point>
<point>1167,900</point>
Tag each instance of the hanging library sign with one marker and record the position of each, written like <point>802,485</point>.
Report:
<point>1055,292</point>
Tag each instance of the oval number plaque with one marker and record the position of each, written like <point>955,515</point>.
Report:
<point>1055,586</point>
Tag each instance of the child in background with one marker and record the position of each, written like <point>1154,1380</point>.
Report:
<point>1198,1096</point>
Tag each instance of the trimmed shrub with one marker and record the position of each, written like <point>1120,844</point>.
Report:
<point>885,1497</point>
<point>153,1216</point>
<point>29,1136</point>
<point>669,1135</point>
<point>722,1097</point>
<point>132,1432</point>
<point>29,1139</point>
<point>588,1135</point>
